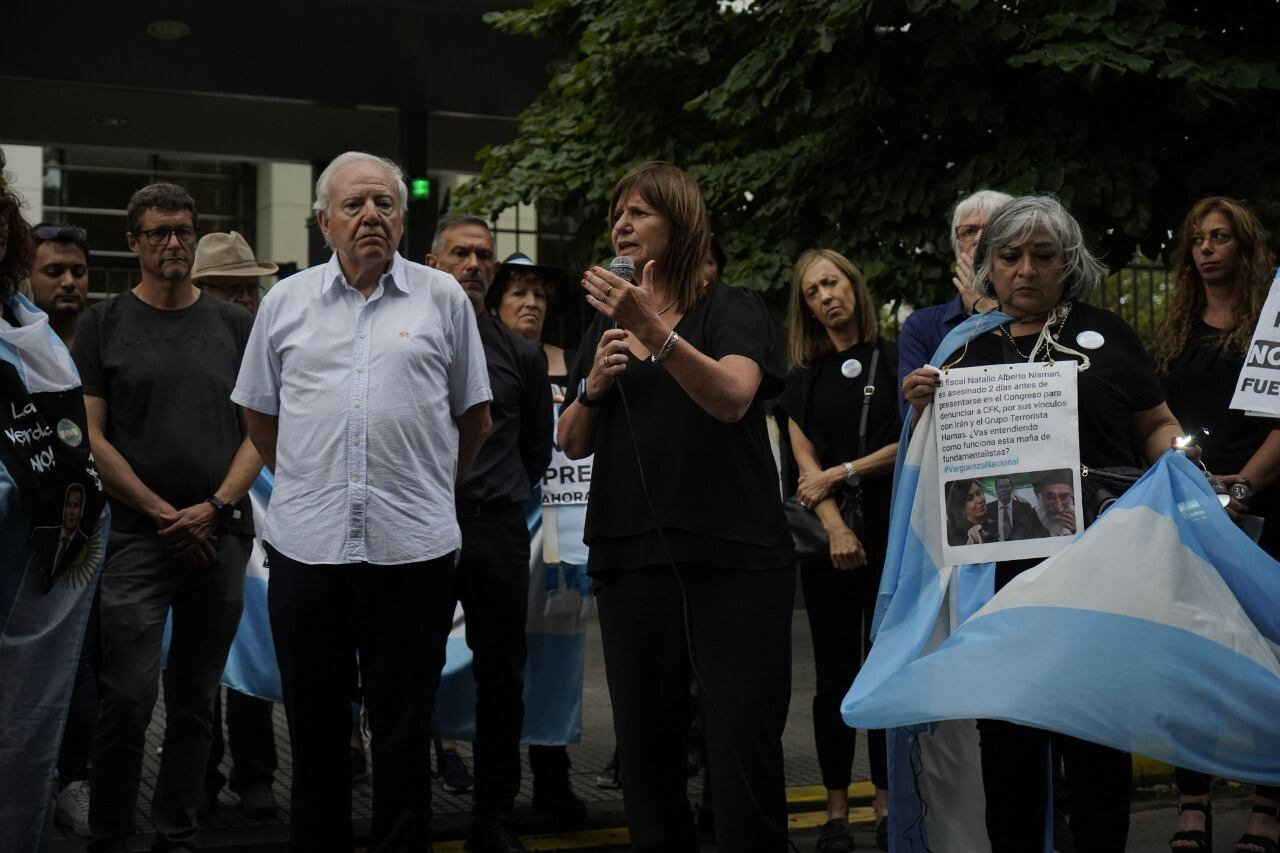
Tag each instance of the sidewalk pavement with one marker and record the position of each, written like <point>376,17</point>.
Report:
<point>229,829</point>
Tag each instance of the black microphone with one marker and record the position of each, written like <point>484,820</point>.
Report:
<point>624,268</point>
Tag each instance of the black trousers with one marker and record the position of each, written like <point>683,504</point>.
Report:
<point>740,623</point>
<point>1015,773</point>
<point>492,582</point>
<point>840,605</point>
<point>140,583</point>
<point>251,735</point>
<point>1193,783</point>
<point>395,619</point>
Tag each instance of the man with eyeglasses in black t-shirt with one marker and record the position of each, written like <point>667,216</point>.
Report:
<point>158,364</point>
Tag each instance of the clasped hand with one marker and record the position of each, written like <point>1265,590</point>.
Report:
<point>189,533</point>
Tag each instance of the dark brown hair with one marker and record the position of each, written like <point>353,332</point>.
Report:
<point>674,194</point>
<point>21,248</point>
<point>170,198</point>
<point>1253,280</point>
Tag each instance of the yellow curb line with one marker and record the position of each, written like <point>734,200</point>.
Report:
<point>618,837</point>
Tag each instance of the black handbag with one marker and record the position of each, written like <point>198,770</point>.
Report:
<point>1104,486</point>
<point>807,533</point>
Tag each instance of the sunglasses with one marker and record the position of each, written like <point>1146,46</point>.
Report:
<point>61,233</point>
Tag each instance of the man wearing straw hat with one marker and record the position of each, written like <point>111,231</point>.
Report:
<point>226,268</point>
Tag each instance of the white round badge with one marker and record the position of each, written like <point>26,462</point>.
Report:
<point>1090,339</point>
<point>852,368</point>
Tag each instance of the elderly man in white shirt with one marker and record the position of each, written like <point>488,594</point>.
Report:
<point>365,388</point>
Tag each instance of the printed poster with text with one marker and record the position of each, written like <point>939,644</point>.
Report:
<point>1009,461</point>
<point>1258,386</point>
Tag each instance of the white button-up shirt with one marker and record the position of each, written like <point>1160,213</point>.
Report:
<point>366,392</point>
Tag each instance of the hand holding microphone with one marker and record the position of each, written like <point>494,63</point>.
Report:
<point>615,294</point>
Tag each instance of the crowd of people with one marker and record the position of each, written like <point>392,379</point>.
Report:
<point>408,412</point>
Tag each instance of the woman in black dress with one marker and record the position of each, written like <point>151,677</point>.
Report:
<point>1223,274</point>
<point>836,356</point>
<point>690,552</point>
<point>1032,260</point>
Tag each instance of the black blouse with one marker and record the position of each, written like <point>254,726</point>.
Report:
<point>712,486</point>
<point>827,407</point>
<point>1200,382</point>
<point>1120,381</point>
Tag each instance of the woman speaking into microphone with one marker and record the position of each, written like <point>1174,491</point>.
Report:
<point>690,552</point>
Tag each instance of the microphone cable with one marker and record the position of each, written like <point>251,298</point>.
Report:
<point>688,628</point>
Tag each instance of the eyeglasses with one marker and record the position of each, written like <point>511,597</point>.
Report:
<point>1216,237</point>
<point>967,232</point>
<point>160,236</point>
<point>249,288</point>
<point>61,233</point>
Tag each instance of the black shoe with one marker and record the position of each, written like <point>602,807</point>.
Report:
<point>492,836</point>
<point>834,837</point>
<point>453,771</point>
<point>258,802</point>
<point>560,804</point>
<point>609,777</point>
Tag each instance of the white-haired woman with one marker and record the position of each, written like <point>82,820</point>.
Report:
<point>1032,261</point>
<point>925,328</point>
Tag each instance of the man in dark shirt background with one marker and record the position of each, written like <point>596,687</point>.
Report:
<point>1010,517</point>
<point>158,364</point>
<point>492,579</point>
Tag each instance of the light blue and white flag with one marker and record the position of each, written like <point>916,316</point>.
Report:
<point>251,662</point>
<point>1157,632</point>
<point>558,589</point>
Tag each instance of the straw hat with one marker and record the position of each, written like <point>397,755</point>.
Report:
<point>228,254</point>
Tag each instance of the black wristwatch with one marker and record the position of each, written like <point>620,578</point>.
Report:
<point>221,507</point>
<point>582,398</point>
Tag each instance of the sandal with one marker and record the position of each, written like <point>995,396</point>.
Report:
<point>1201,839</point>
<point>1260,842</point>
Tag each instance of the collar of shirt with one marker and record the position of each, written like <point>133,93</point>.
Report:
<point>955,312</point>
<point>334,281</point>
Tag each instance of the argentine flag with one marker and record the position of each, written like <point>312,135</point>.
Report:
<point>1156,632</point>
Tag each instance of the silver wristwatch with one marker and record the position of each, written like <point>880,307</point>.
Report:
<point>1241,492</point>
<point>851,474</point>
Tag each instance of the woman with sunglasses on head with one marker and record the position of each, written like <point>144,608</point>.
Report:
<point>1032,260</point>
<point>844,441</point>
<point>690,553</point>
<point>1223,274</point>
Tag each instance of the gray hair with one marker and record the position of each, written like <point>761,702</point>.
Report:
<point>1013,223</point>
<point>983,201</point>
<point>346,159</point>
<point>457,220</point>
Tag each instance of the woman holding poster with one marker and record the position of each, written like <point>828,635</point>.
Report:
<point>1032,260</point>
<point>844,437</point>
<point>1223,274</point>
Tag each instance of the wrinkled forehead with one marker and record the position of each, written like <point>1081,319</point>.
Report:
<point>470,237</point>
<point>1033,235</point>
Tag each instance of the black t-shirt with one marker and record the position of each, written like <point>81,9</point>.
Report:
<point>713,485</point>
<point>1120,381</point>
<point>827,407</point>
<point>516,453</point>
<point>1199,383</point>
<point>167,378</point>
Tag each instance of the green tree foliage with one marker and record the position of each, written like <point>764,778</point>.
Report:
<point>857,125</point>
